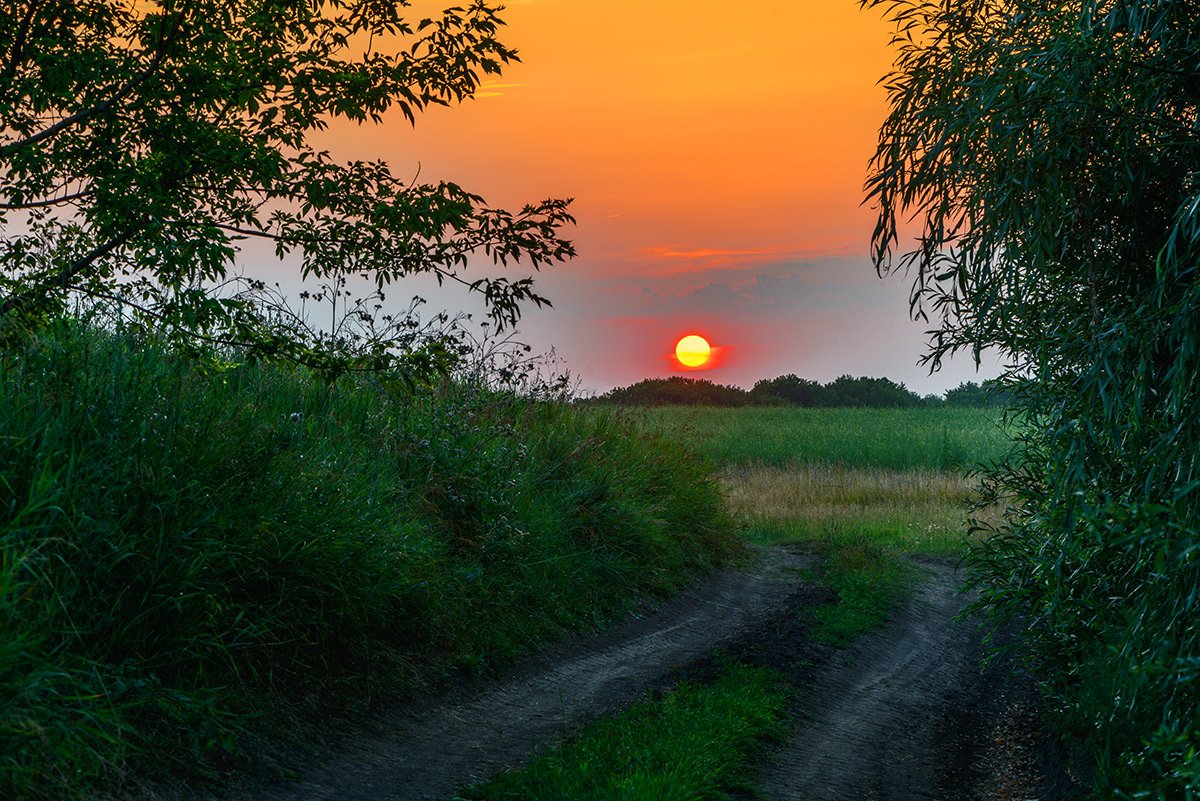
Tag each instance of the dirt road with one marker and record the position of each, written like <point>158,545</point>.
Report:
<point>426,756</point>
<point>899,716</point>
<point>873,711</point>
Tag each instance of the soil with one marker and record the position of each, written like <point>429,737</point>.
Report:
<point>908,712</point>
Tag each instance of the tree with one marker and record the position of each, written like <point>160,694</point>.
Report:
<point>969,393</point>
<point>865,392</point>
<point>676,391</point>
<point>141,143</point>
<point>788,388</point>
<point>1047,152</point>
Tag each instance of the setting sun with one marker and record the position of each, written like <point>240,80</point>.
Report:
<point>693,351</point>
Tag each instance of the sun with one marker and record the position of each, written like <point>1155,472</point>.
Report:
<point>693,351</point>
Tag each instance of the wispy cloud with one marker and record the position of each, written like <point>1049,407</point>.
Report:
<point>495,89</point>
<point>787,290</point>
<point>705,253</point>
<point>666,260</point>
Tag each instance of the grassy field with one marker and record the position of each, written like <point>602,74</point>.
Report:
<point>864,487</point>
<point>941,438</point>
<point>191,552</point>
<point>913,511</point>
<point>187,552</point>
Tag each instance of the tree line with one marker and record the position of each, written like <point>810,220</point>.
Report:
<point>791,390</point>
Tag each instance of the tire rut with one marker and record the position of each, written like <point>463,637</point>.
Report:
<point>426,755</point>
<point>869,725</point>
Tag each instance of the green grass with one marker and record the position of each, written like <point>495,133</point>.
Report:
<point>185,553</point>
<point>863,522</point>
<point>690,744</point>
<point>939,438</point>
<point>863,488</point>
<point>870,582</point>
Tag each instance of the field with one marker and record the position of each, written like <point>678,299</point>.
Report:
<point>939,438</point>
<point>864,487</point>
<point>893,478</point>
<point>192,553</point>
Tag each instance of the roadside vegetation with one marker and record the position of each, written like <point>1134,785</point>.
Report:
<point>189,548</point>
<point>1035,177</point>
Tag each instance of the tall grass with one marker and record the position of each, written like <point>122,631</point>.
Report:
<point>863,487</point>
<point>186,548</point>
<point>940,438</point>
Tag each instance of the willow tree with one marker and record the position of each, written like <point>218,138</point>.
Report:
<point>142,142</point>
<point>1043,159</point>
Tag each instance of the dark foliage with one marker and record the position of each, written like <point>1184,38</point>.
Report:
<point>141,143</point>
<point>790,390</point>
<point>1047,152</point>
<point>677,391</point>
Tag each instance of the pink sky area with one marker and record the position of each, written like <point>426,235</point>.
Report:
<point>716,153</point>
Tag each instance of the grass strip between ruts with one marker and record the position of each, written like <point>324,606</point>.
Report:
<point>691,743</point>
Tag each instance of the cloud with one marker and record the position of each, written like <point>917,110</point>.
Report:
<point>667,260</point>
<point>704,253</point>
<point>494,89</point>
<point>779,288</point>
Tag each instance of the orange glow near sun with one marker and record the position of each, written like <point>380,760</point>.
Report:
<point>693,351</point>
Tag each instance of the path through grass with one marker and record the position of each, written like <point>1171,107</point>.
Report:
<point>187,551</point>
<point>865,489</point>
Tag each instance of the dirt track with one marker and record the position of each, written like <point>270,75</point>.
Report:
<point>873,710</point>
<point>428,755</point>
<point>899,716</point>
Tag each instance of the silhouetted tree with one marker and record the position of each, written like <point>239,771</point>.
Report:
<point>787,389</point>
<point>676,391</point>
<point>867,392</point>
<point>141,142</point>
<point>1047,153</point>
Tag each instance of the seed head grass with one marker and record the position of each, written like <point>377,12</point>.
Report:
<point>919,511</point>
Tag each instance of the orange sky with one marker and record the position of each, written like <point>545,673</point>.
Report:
<point>717,153</point>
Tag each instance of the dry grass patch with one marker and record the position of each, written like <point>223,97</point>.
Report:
<point>914,511</point>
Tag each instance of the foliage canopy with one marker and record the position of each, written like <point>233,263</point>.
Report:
<point>1047,154</point>
<point>141,143</point>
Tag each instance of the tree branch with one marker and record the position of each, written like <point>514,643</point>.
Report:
<point>39,204</point>
<point>64,277</point>
<point>83,115</point>
<point>10,69</point>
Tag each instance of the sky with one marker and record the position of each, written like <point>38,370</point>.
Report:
<point>716,153</point>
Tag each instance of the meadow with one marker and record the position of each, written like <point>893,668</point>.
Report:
<point>936,438</point>
<point>866,488</point>
<point>195,553</point>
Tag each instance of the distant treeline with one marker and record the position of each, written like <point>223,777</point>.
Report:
<point>791,390</point>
